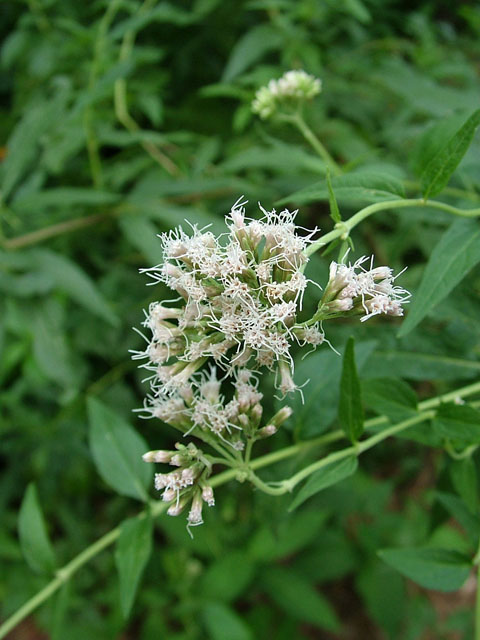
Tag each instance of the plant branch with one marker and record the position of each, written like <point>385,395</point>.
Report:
<point>342,229</point>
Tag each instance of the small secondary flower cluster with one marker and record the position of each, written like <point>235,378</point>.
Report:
<point>366,291</point>
<point>292,87</point>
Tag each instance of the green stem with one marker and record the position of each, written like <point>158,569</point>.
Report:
<point>342,229</point>
<point>298,122</point>
<point>477,607</point>
<point>158,507</point>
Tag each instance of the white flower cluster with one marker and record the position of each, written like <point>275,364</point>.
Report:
<point>240,296</point>
<point>292,87</point>
<point>367,291</point>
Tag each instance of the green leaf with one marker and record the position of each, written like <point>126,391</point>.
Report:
<point>334,210</point>
<point>458,422</point>
<point>453,257</point>
<point>71,279</point>
<point>363,186</point>
<point>117,451</point>
<point>418,366</point>
<point>389,396</point>
<point>464,478</point>
<point>439,569</point>
<point>320,406</point>
<point>438,171</point>
<point>223,622</point>
<point>469,522</point>
<point>34,540</point>
<point>323,478</point>
<point>132,552</point>
<point>228,577</point>
<point>298,598</point>
<point>143,235</point>
<point>350,409</point>
<point>250,48</point>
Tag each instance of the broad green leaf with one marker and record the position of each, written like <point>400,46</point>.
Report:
<point>389,396</point>
<point>384,594</point>
<point>74,282</point>
<point>228,577</point>
<point>117,451</point>
<point>334,210</point>
<point>63,197</point>
<point>418,366</point>
<point>439,569</point>
<point>323,478</point>
<point>131,556</point>
<point>350,409</point>
<point>464,478</point>
<point>34,540</point>
<point>458,509</point>
<point>320,406</point>
<point>453,257</point>
<point>250,48</point>
<point>223,622</point>
<point>363,186</point>
<point>432,140</point>
<point>143,235</point>
<point>290,536</point>
<point>299,598</point>
<point>438,171</point>
<point>458,422</point>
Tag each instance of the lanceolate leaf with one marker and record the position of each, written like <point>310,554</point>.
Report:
<point>350,410</point>
<point>438,171</point>
<point>439,569</point>
<point>117,450</point>
<point>131,555</point>
<point>453,257</point>
<point>334,211</point>
<point>326,477</point>
<point>34,540</point>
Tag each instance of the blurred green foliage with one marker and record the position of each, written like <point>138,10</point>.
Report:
<point>119,120</point>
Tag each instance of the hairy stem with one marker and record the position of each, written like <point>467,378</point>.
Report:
<point>298,122</point>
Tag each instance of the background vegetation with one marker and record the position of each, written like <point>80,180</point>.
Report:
<point>120,120</point>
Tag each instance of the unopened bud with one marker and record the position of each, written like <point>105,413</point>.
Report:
<point>280,417</point>
<point>176,508</point>
<point>256,414</point>
<point>168,495</point>
<point>207,495</point>
<point>267,431</point>
<point>195,514</point>
<point>157,456</point>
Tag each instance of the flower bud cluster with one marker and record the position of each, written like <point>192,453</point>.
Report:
<point>187,483</point>
<point>369,292</point>
<point>293,87</point>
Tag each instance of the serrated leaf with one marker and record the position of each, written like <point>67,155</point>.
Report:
<point>68,277</point>
<point>438,171</point>
<point>132,552</point>
<point>323,478</point>
<point>223,622</point>
<point>458,422</point>
<point>34,540</point>
<point>363,186</point>
<point>117,451</point>
<point>389,396</point>
<point>452,258</point>
<point>439,569</point>
<point>299,598</point>
<point>350,408</point>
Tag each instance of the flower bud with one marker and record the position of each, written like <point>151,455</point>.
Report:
<point>267,431</point>
<point>157,456</point>
<point>280,417</point>
<point>207,495</point>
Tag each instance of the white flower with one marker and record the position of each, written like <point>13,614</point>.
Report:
<point>292,87</point>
